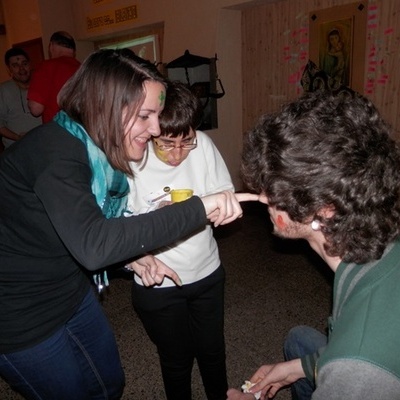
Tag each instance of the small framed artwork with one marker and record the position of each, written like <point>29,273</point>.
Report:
<point>146,47</point>
<point>337,44</point>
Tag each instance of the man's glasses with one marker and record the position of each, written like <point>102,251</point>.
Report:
<point>170,147</point>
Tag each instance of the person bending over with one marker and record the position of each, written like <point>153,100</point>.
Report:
<point>330,174</point>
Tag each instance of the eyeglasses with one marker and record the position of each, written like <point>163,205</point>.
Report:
<point>170,147</point>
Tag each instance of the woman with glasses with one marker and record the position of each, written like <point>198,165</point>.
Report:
<point>185,322</point>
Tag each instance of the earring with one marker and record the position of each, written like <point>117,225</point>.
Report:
<point>315,225</point>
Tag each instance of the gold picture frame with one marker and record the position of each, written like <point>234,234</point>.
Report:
<point>338,41</point>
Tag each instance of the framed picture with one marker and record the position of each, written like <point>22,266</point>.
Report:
<point>337,43</point>
<point>146,47</point>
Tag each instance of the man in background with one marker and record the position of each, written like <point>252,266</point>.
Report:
<point>51,75</point>
<point>15,117</point>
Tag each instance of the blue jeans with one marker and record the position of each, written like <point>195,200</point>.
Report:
<point>186,323</point>
<point>301,341</point>
<point>80,361</point>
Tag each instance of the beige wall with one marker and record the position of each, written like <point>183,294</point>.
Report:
<point>22,19</point>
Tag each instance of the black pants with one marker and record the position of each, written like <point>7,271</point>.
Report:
<point>186,323</point>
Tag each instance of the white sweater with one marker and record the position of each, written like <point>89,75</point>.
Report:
<point>204,171</point>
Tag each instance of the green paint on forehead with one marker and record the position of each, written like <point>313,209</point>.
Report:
<point>162,98</point>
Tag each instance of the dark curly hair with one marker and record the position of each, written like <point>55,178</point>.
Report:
<point>335,152</point>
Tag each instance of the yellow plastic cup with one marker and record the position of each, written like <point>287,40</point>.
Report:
<point>178,195</point>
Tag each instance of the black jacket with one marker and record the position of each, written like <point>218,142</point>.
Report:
<point>51,230</point>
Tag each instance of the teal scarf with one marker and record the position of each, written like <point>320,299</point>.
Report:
<point>109,186</point>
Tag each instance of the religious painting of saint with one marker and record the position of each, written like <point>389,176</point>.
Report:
<point>335,50</point>
<point>337,45</point>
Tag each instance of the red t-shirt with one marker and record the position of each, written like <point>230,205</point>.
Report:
<point>47,80</point>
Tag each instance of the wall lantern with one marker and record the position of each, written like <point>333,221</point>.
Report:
<point>200,74</point>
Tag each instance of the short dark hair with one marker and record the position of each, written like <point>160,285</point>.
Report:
<point>13,52</point>
<point>63,39</point>
<point>107,83</point>
<point>326,151</point>
<point>182,112</point>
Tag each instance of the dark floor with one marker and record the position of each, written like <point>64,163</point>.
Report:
<point>272,285</point>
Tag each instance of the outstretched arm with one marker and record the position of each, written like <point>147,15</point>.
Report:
<point>224,207</point>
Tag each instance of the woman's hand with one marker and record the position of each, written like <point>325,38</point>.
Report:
<point>224,207</point>
<point>152,271</point>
